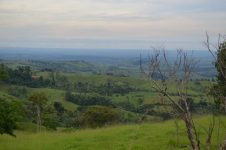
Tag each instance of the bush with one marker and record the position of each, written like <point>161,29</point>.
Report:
<point>98,116</point>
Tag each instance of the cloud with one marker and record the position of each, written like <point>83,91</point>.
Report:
<point>111,19</point>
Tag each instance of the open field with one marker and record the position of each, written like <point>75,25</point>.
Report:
<point>148,136</point>
<point>146,92</point>
<point>140,104</point>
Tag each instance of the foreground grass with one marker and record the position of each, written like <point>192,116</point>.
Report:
<point>125,137</point>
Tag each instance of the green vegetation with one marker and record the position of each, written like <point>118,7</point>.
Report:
<point>58,108</point>
<point>133,98</point>
<point>218,90</point>
<point>10,113</point>
<point>98,116</point>
<point>121,137</point>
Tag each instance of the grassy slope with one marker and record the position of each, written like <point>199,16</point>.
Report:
<point>4,95</point>
<point>54,95</point>
<point>126,137</point>
<point>149,96</point>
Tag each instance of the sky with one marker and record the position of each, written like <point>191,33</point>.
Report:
<point>110,24</point>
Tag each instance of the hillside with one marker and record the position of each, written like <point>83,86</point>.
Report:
<point>148,136</point>
<point>80,107</point>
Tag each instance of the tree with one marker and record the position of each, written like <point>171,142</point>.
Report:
<point>9,114</point>
<point>50,118</point>
<point>163,75</point>
<point>59,107</point>
<point>3,73</point>
<point>52,78</point>
<point>38,101</point>
<point>219,89</point>
<point>22,75</point>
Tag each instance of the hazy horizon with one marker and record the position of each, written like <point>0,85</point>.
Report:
<point>87,54</point>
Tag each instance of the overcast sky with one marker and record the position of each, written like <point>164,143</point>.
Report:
<point>110,23</point>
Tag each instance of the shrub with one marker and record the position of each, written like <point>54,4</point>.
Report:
<point>98,116</point>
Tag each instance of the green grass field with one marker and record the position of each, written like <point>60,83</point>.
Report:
<point>148,136</point>
<point>197,92</point>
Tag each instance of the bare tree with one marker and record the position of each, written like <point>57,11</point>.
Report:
<point>163,73</point>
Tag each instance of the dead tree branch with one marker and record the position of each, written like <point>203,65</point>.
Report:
<point>159,65</point>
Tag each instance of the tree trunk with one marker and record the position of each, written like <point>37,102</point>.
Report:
<point>38,118</point>
<point>189,126</point>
